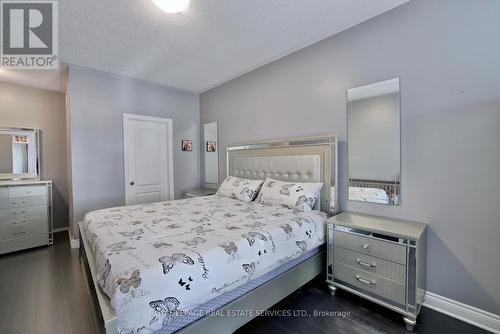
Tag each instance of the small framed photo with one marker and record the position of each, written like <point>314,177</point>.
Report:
<point>187,145</point>
<point>211,146</point>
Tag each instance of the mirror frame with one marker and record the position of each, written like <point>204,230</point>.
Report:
<point>397,182</point>
<point>38,161</point>
<point>204,150</point>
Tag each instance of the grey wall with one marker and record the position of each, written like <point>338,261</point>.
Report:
<point>372,129</point>
<point>24,106</point>
<point>448,58</point>
<point>96,103</point>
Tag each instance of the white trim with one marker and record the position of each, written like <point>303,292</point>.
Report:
<point>170,145</point>
<point>60,229</point>
<point>464,312</point>
<point>75,243</point>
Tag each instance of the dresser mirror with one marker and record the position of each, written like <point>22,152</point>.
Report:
<point>374,143</point>
<point>19,153</point>
<point>211,154</point>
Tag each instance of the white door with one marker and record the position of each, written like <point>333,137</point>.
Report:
<point>148,159</point>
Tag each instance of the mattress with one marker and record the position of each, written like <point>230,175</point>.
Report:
<point>157,262</point>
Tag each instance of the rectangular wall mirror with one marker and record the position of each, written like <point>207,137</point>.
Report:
<point>19,153</point>
<point>211,154</point>
<point>374,143</point>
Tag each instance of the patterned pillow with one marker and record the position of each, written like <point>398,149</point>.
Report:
<point>242,189</point>
<point>298,196</point>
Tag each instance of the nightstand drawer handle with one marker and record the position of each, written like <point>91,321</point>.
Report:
<point>364,280</point>
<point>18,233</point>
<point>366,264</point>
<point>365,246</point>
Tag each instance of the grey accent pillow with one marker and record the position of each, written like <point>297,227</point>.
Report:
<point>295,195</point>
<point>244,190</point>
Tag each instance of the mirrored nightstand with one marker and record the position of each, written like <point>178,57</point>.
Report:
<point>199,192</point>
<point>380,259</point>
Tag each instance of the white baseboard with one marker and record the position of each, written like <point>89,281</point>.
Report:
<point>464,312</point>
<point>60,229</point>
<point>75,243</point>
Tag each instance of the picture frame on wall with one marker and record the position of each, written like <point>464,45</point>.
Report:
<point>211,146</point>
<point>187,145</point>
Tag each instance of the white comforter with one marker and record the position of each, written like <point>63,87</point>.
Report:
<point>158,260</point>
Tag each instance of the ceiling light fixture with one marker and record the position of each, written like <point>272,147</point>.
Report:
<point>172,6</point>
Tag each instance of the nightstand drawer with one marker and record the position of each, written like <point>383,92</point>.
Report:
<point>369,246</point>
<point>375,284</point>
<point>373,265</point>
<point>6,203</point>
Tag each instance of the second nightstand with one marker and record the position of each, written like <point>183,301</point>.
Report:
<point>199,192</point>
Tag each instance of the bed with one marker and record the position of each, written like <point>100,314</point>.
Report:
<point>170,266</point>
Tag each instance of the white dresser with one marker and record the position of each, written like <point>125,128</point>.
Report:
<point>380,259</point>
<point>25,215</point>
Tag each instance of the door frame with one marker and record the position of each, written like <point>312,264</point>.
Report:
<point>170,156</point>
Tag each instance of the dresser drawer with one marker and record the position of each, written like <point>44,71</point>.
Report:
<point>7,203</point>
<point>13,245</point>
<point>375,284</point>
<point>28,221</point>
<point>369,246</point>
<point>27,191</point>
<point>373,265</point>
<point>14,214</point>
<point>4,192</point>
<point>27,231</point>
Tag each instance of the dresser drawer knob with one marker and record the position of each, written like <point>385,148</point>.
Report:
<point>366,264</point>
<point>18,233</point>
<point>19,222</point>
<point>364,280</point>
<point>365,246</point>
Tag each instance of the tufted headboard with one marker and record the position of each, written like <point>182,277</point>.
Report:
<point>299,160</point>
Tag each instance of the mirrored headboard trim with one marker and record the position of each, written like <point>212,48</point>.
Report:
<point>313,153</point>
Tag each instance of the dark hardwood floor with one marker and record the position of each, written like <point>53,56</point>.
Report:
<point>42,291</point>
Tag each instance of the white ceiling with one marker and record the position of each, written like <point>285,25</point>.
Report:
<point>213,42</point>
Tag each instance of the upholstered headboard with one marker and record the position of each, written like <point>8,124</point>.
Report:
<point>287,160</point>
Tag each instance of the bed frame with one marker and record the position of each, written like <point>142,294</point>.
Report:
<point>312,159</point>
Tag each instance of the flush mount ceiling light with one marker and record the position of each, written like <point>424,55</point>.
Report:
<point>172,6</point>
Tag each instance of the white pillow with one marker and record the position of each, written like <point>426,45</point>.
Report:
<point>244,190</point>
<point>294,195</point>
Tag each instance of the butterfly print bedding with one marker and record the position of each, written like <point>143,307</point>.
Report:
<point>126,283</point>
<point>152,272</point>
<point>164,309</point>
<point>168,262</point>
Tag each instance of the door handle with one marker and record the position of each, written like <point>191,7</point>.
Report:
<point>132,183</point>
